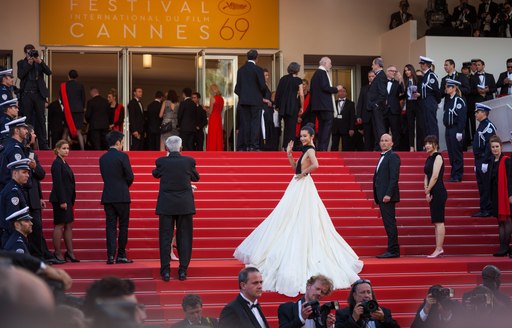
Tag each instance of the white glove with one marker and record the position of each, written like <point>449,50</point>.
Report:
<point>458,136</point>
<point>484,168</point>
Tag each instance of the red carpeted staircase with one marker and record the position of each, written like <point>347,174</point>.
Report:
<point>238,190</point>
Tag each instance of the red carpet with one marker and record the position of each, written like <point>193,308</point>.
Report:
<point>238,190</point>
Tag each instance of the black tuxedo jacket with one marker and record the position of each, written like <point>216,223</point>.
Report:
<point>137,119</point>
<point>395,94</point>
<point>288,314</point>
<point>344,319</point>
<point>321,92</point>
<point>362,105</point>
<point>493,9</point>
<point>117,176</point>
<point>176,172</point>
<point>33,193</point>
<point>205,322</point>
<point>63,183</point>
<point>378,92</point>
<point>153,112</point>
<point>76,96</point>
<point>348,119</point>
<point>33,72</point>
<point>98,113</point>
<point>489,81</point>
<point>250,85</point>
<point>187,116</point>
<point>501,84</point>
<point>396,19</point>
<point>464,87</point>
<point>237,314</point>
<point>470,16</point>
<point>385,180</point>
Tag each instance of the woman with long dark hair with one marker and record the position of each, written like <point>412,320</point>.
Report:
<point>414,118</point>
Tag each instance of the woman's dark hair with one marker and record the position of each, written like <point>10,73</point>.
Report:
<point>431,139</point>
<point>172,96</point>
<point>351,300</point>
<point>495,138</point>
<point>310,128</point>
<point>414,77</point>
<point>293,68</point>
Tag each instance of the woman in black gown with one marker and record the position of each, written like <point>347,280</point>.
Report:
<point>435,192</point>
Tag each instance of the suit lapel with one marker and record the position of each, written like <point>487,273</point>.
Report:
<point>248,312</point>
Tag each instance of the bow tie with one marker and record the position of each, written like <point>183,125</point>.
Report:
<point>342,100</point>
<point>384,153</point>
<point>252,306</point>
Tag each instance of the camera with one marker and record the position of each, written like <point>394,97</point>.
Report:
<point>369,307</point>
<point>477,300</point>
<point>33,53</point>
<point>321,311</point>
<point>441,293</point>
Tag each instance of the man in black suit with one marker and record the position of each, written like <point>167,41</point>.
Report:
<point>505,80</point>
<point>137,120</point>
<point>483,85</point>
<point>244,310</point>
<point>487,11</point>
<point>97,116</point>
<point>201,122</point>
<point>364,116</point>
<point>322,102</point>
<point>402,16</point>
<point>175,205</point>
<point>438,310</point>
<point>192,306</point>
<point>354,316</point>
<point>187,120</point>
<point>154,121</point>
<point>343,123</point>
<point>386,192</point>
<point>116,172</point>
<point>464,18</point>
<point>451,73</point>
<point>296,314</point>
<point>377,99</point>
<point>72,95</point>
<point>250,88</point>
<point>33,91</point>
<point>393,114</point>
<point>55,122</point>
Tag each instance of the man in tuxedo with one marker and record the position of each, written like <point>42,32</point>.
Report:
<point>175,204</point>
<point>451,73</point>
<point>386,193</point>
<point>116,172</point>
<point>245,310</point>
<point>402,16</point>
<point>430,96</point>
<point>505,80</point>
<point>154,121</point>
<point>353,316</point>
<point>377,99</point>
<point>201,122</point>
<point>250,88</point>
<point>72,95</point>
<point>187,120</point>
<point>137,120</point>
<point>97,116</point>
<point>487,11</point>
<point>192,306</point>
<point>464,18</point>
<point>364,116</point>
<point>394,111</point>
<point>296,314</point>
<point>343,123</point>
<point>483,85</point>
<point>322,101</point>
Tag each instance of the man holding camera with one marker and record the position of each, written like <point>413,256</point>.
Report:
<point>33,91</point>
<point>363,310</point>
<point>307,311</point>
<point>438,309</point>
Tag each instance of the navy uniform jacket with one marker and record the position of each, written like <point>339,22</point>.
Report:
<point>63,183</point>
<point>481,146</point>
<point>4,119</point>
<point>250,85</point>
<point>5,93</point>
<point>455,113</point>
<point>13,151</point>
<point>117,175</point>
<point>17,243</point>
<point>430,86</point>
<point>176,172</point>
<point>12,199</point>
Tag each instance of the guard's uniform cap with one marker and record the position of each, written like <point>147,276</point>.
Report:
<point>5,72</point>
<point>482,107</point>
<point>452,82</point>
<point>425,60</point>
<point>16,123</point>
<point>21,164</point>
<point>22,214</point>
<point>9,103</point>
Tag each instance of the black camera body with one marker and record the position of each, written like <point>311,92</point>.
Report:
<point>441,293</point>
<point>323,310</point>
<point>33,53</point>
<point>369,307</point>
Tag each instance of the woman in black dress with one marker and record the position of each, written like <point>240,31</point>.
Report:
<point>62,197</point>
<point>501,193</point>
<point>435,192</point>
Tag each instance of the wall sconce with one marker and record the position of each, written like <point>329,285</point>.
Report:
<point>147,61</point>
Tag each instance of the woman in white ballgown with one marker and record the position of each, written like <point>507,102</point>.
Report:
<point>298,240</point>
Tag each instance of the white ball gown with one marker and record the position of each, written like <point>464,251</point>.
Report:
<point>298,240</point>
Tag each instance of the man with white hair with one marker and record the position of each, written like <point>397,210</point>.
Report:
<point>175,205</point>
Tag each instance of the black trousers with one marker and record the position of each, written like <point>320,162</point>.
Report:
<point>380,125</point>
<point>199,140</point>
<point>346,144</point>
<point>325,119</point>
<point>484,188</point>
<point>32,106</point>
<point>369,138</point>
<point>36,242</point>
<point>395,127</point>
<point>415,125</point>
<point>154,141</point>
<point>250,127</point>
<point>455,153</point>
<point>290,125</point>
<point>387,211</point>
<point>117,213</point>
<point>429,109</point>
<point>184,229</point>
<point>137,144</point>
<point>188,140</point>
<point>97,139</point>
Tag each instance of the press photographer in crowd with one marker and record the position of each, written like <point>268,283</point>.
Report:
<point>438,309</point>
<point>363,310</point>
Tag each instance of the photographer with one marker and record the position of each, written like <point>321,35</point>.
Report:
<point>33,91</point>
<point>464,18</point>
<point>438,309</point>
<point>307,311</point>
<point>363,310</point>
<point>483,309</point>
<point>491,278</point>
<point>503,20</point>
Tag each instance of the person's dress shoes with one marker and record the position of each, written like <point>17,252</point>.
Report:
<point>110,260</point>
<point>123,260</point>
<point>481,215</point>
<point>388,255</point>
<point>182,275</point>
<point>166,277</point>
<point>454,180</point>
<point>501,253</point>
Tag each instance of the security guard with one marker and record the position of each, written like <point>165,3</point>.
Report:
<point>13,148</point>
<point>483,156</point>
<point>6,85</point>
<point>21,224</point>
<point>454,119</point>
<point>430,96</point>
<point>8,112</point>
<point>12,198</point>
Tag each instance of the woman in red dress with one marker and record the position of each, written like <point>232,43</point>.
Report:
<point>214,141</point>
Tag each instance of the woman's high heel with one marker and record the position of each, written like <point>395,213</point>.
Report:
<point>435,254</point>
<point>59,260</point>
<point>70,258</point>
